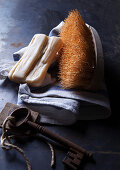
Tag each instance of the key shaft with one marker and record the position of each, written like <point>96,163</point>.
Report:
<point>57,138</point>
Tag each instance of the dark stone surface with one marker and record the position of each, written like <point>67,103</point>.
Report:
<point>19,21</point>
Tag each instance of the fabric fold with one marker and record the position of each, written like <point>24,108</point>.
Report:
<point>58,106</point>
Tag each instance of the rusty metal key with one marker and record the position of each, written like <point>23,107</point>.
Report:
<point>22,117</point>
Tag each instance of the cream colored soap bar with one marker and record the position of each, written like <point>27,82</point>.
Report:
<point>33,65</point>
<point>37,75</point>
<point>34,51</point>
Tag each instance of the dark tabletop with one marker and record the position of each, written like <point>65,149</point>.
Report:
<point>19,21</point>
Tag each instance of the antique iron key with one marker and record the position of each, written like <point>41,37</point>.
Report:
<point>22,116</point>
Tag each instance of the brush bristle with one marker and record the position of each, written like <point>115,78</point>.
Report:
<point>77,59</point>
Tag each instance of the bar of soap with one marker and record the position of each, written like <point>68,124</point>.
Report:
<point>29,59</point>
<point>37,75</point>
<point>33,65</point>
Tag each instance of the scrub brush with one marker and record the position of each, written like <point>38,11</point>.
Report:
<point>77,62</point>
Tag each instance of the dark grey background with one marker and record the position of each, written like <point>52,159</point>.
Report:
<point>19,21</point>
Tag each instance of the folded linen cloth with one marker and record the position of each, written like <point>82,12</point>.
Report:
<point>65,107</point>
<point>58,106</point>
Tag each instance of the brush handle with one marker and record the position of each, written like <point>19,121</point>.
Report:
<point>57,138</point>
